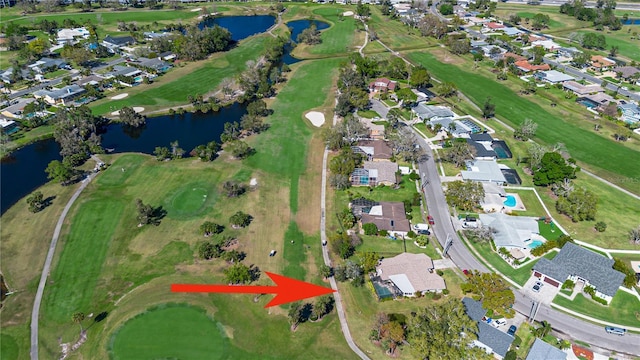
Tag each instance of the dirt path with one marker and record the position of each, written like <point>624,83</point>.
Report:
<point>35,313</point>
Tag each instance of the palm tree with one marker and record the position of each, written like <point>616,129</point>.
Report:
<point>543,330</point>
<point>77,318</point>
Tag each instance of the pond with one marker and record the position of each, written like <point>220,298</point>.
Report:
<point>241,27</point>
<point>23,171</point>
<point>631,22</point>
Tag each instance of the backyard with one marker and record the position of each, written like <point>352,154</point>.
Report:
<point>622,310</point>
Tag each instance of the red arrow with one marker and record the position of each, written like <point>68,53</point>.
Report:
<point>287,289</point>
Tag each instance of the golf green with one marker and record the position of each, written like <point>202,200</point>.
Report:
<point>173,331</point>
<point>189,200</point>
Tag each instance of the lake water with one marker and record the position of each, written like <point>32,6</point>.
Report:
<point>631,22</point>
<point>297,26</point>
<point>23,171</point>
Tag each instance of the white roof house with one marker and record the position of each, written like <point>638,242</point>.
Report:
<point>483,171</point>
<point>69,35</point>
<point>548,45</point>
<point>511,231</point>
<point>553,76</point>
<point>630,112</point>
<point>411,273</point>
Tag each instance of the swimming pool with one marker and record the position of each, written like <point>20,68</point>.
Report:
<point>587,102</point>
<point>511,201</point>
<point>534,244</point>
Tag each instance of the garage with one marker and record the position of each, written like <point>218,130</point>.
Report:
<point>551,282</point>
<point>537,274</point>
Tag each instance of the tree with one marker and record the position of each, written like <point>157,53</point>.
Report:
<point>362,10</point>
<point>446,9</point>
<point>162,153</point>
<point>446,89</point>
<point>614,50</point>
<point>581,204</point>
<point>535,152</point>
<point>634,236</point>
<point>239,149</point>
<point>252,123</point>
<point>238,273</point>
<point>543,330</point>
<point>340,244</point>
<point>295,314</point>
<point>553,168</point>
<point>208,250</point>
<point>77,318</point>
<point>209,228</point>
<point>145,213</point>
<point>370,229</point>
<point>419,77</point>
<point>435,332</point>
<point>59,172</point>
<point>233,188</point>
<point>131,118</point>
<point>325,271</point>
<point>526,131</point>
<point>36,202</point>
<point>629,273</point>
<point>515,19</point>
<point>465,195</point>
<point>493,291</point>
<point>459,152</point>
<point>310,36</point>
<point>323,306</point>
<point>460,47</point>
<point>600,226</point>
<point>176,150</point>
<point>240,219</point>
<point>369,261</point>
<point>207,152</point>
<point>406,96</point>
<point>540,21</point>
<point>347,220</point>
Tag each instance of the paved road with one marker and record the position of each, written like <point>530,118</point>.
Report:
<point>35,313</point>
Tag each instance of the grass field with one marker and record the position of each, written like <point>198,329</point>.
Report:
<point>8,347</point>
<point>394,34</point>
<point>173,331</point>
<point>553,129</point>
<point>198,78</point>
<point>627,47</point>
<point>339,39</point>
<point>531,203</point>
<point>623,309</point>
<point>386,247</point>
<point>559,22</point>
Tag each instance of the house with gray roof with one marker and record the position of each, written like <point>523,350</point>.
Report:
<point>576,263</point>
<point>483,171</point>
<point>553,76</point>
<point>64,96</point>
<point>117,42</point>
<point>489,338</point>
<point>47,64</point>
<point>430,112</point>
<point>630,113</point>
<point>155,64</point>
<point>510,231</point>
<point>374,173</point>
<point>582,90</point>
<point>543,351</point>
<point>626,72</point>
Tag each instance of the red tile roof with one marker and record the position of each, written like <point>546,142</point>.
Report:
<point>526,66</point>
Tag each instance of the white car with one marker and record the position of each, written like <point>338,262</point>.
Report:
<point>499,322</point>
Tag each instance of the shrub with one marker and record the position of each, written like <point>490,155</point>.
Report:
<point>436,296</point>
<point>601,226</point>
<point>422,240</point>
<point>413,176</point>
<point>383,233</point>
<point>411,235</point>
<point>568,284</point>
<point>370,229</point>
<point>445,291</point>
<point>440,272</point>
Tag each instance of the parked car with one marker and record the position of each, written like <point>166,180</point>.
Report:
<point>512,330</point>
<point>466,272</point>
<point>499,322</point>
<point>430,219</point>
<point>272,253</point>
<point>424,232</point>
<point>615,330</point>
<point>537,286</point>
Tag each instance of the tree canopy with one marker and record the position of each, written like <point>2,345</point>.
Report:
<point>553,168</point>
<point>493,291</point>
<point>465,195</point>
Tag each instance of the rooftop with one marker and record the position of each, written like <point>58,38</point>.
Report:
<point>474,308</point>
<point>576,260</point>
<point>511,231</point>
<point>499,341</point>
<point>375,149</point>
<point>386,170</point>
<point>554,76</point>
<point>543,351</point>
<point>483,170</point>
<point>410,272</point>
<point>582,89</point>
<point>388,216</point>
<point>425,111</point>
<point>57,94</point>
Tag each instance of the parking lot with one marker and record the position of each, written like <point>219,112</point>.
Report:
<point>545,295</point>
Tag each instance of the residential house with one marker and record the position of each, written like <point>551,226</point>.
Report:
<point>489,338</point>
<point>578,264</point>
<point>431,112</point>
<point>64,96</point>
<point>373,150</point>
<point>630,113</point>
<point>512,31</point>
<point>167,56</point>
<point>375,131</point>
<point>492,51</point>
<point>548,44</point>
<point>7,75</point>
<point>47,64</point>
<point>382,85</point>
<point>116,43</point>
<point>484,171</point>
<point>596,101</point>
<point>8,126</point>
<point>16,109</point>
<point>482,146</point>
<point>526,66</point>
<point>514,56</point>
<point>544,351</point>
<point>130,73</point>
<point>71,36</point>
<point>156,64</point>
<point>568,52</point>
<point>89,80</point>
<point>601,63</point>
<point>635,266</point>
<point>627,72</point>
<point>412,274</point>
<point>511,231</point>
<point>150,35</point>
<point>492,26</point>
<point>375,173</point>
<point>389,216</point>
<point>582,90</point>
<point>553,76</point>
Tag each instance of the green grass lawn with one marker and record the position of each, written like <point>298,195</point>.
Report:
<point>190,200</point>
<point>388,248</point>
<point>339,38</point>
<point>369,114</point>
<point>9,347</point>
<point>553,129</point>
<point>531,203</point>
<point>173,331</point>
<point>194,79</point>
<point>549,231</point>
<point>520,275</point>
<point>622,39</point>
<point>623,309</point>
<point>559,22</point>
<point>394,34</point>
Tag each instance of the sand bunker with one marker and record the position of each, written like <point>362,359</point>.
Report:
<point>197,9</point>
<point>316,118</point>
<point>119,96</point>
<point>347,13</point>
<point>137,109</point>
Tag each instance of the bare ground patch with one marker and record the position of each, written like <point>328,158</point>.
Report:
<point>308,216</point>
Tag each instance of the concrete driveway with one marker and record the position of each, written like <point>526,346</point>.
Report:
<point>545,295</point>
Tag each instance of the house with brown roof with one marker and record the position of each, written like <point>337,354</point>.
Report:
<point>514,56</point>
<point>526,66</point>
<point>373,150</point>
<point>375,131</point>
<point>412,274</point>
<point>389,216</point>
<point>601,63</point>
<point>374,173</point>
<point>382,84</point>
<point>492,26</point>
<point>626,72</point>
